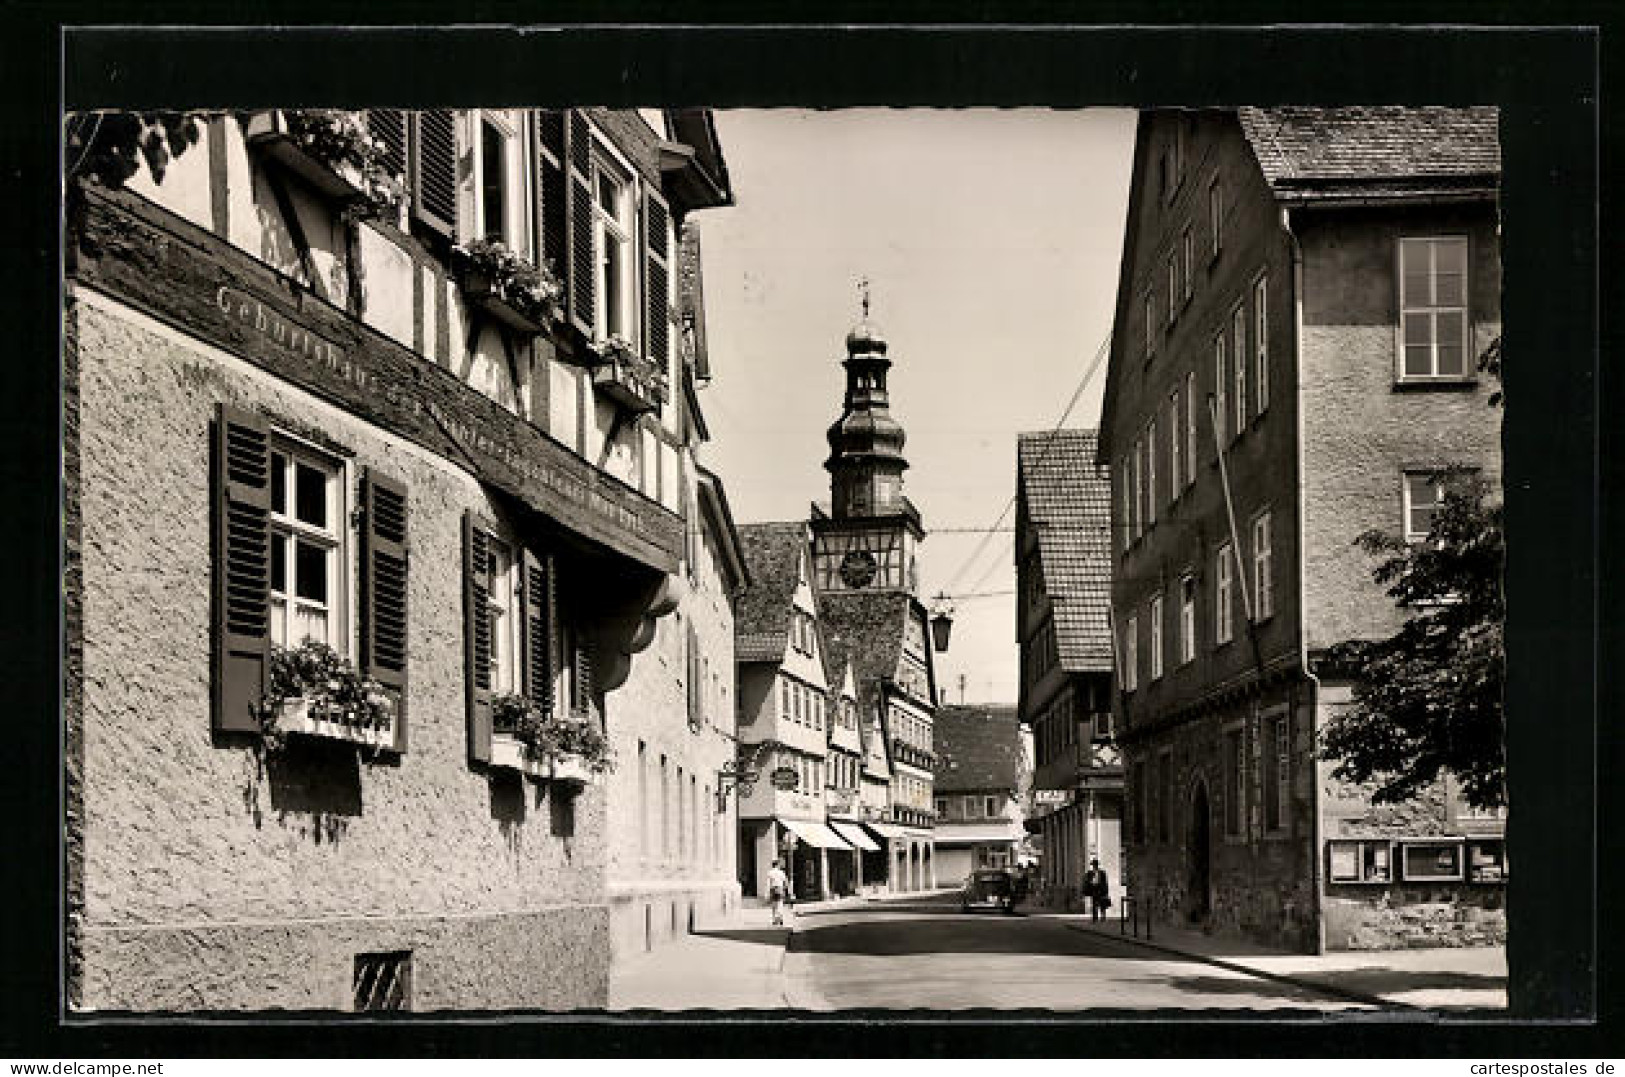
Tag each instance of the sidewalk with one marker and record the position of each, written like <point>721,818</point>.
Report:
<point>1445,978</point>
<point>735,964</point>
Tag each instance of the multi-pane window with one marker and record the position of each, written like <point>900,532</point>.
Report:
<point>1173,286</point>
<point>784,699</point>
<point>500,180</point>
<point>1150,325</point>
<point>1156,636</point>
<point>1187,247</point>
<point>1190,428</point>
<point>1131,654</point>
<point>1235,777</point>
<point>1223,617</point>
<point>1424,494</point>
<point>1175,437</point>
<point>1433,307</point>
<point>1261,352</point>
<point>1263,592</point>
<point>1215,217</point>
<point>1139,485</point>
<point>307,548</point>
<point>1238,349</point>
<point>972,808</point>
<point>613,228</point>
<point>1151,471</point>
<point>501,606</point>
<point>1187,618</point>
<point>1220,396</point>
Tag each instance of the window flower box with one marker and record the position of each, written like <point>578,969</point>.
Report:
<point>334,153</point>
<point>506,285</point>
<point>507,751</point>
<point>314,719</point>
<point>545,744</point>
<point>627,378</point>
<point>573,769</point>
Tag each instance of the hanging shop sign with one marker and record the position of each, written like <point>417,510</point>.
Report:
<point>193,280</point>
<point>785,778</point>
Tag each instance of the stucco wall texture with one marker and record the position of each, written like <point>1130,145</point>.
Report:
<point>215,879</point>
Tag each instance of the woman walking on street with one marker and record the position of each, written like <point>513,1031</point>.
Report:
<point>778,891</point>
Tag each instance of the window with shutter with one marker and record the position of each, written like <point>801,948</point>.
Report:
<point>553,214</point>
<point>477,636</point>
<point>578,147</point>
<point>657,277</point>
<point>581,685</point>
<point>242,568</point>
<point>536,584</point>
<point>383,590</point>
<point>434,171</point>
<point>388,128</point>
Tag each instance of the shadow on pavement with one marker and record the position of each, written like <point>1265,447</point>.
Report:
<point>1381,981</point>
<point>765,936</point>
<point>961,934</point>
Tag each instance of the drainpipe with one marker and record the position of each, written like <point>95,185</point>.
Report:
<point>1316,853</point>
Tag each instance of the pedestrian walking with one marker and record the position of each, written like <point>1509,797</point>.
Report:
<point>778,890</point>
<point>1097,887</point>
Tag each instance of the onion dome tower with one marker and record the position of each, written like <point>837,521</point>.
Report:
<point>867,537</point>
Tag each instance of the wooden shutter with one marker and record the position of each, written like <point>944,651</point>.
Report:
<point>578,145</point>
<point>536,586</point>
<point>582,686</point>
<point>477,636</point>
<point>553,228</point>
<point>434,171</point>
<point>242,568</point>
<point>388,126</point>
<point>383,590</point>
<point>656,277</point>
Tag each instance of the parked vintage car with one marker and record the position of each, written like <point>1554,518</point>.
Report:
<point>992,888</point>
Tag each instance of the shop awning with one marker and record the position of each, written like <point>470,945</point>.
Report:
<point>854,835</point>
<point>962,834</point>
<point>816,834</point>
<point>884,831</point>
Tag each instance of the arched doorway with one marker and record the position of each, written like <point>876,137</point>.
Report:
<point>1199,874</point>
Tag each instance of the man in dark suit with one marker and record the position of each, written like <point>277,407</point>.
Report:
<point>1096,886</point>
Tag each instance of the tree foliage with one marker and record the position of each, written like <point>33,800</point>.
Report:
<point>109,146</point>
<point>1429,698</point>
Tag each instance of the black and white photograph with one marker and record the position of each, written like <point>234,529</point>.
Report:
<point>793,560</point>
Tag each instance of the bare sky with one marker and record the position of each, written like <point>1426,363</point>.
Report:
<point>991,240</point>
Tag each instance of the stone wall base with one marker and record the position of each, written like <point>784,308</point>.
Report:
<point>644,916</point>
<point>483,962</point>
<point>1404,917</point>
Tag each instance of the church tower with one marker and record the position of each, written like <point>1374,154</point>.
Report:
<point>866,539</point>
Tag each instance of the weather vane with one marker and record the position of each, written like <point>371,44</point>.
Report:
<point>863,290</point>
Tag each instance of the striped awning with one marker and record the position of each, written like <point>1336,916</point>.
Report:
<point>854,836</point>
<point>816,834</point>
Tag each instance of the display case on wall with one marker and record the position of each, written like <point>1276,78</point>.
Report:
<point>1361,860</point>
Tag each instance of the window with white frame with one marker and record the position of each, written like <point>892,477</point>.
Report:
<point>1215,217</point>
<point>1175,437</point>
<point>308,538</point>
<point>1220,396</point>
<point>502,606</point>
<point>1131,654</point>
<point>1263,591</point>
<point>1151,471</point>
<point>499,178</point>
<point>972,808</point>
<point>1187,248</point>
<point>1150,325</point>
<point>1433,307</point>
<point>1261,351</point>
<point>1238,348</point>
<point>1155,615</point>
<point>613,230</point>
<point>990,807</point>
<point>1223,616</point>
<point>1190,428</point>
<point>1139,486</point>
<point>1424,494</point>
<point>1187,618</point>
<point>1173,286</point>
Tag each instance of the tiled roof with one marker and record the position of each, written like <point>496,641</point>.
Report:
<point>978,748</point>
<point>865,629</point>
<point>1068,499</point>
<point>773,554</point>
<point>1374,151</point>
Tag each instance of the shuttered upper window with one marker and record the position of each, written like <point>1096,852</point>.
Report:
<point>614,256</point>
<point>308,542</point>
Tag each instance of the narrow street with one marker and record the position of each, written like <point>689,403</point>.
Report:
<point>930,955</point>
